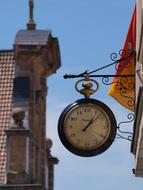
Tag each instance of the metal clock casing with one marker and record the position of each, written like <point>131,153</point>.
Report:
<point>87,127</point>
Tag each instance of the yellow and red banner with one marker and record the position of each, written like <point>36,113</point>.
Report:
<point>122,88</point>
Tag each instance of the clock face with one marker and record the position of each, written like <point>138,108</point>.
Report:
<point>87,127</point>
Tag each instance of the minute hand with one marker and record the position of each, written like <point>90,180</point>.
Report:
<point>92,120</point>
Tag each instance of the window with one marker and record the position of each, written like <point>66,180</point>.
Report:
<point>21,90</point>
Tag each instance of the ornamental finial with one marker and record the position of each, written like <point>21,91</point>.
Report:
<point>31,7</point>
<point>31,24</point>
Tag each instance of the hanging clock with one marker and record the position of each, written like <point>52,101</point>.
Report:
<point>87,127</point>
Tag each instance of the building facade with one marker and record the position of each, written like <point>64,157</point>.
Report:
<point>137,142</point>
<point>26,162</point>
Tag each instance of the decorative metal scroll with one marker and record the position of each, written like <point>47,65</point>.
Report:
<point>125,83</point>
<point>125,134</point>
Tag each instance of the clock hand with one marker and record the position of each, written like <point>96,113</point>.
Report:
<point>90,122</point>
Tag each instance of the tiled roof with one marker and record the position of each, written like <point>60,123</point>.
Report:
<point>32,37</point>
<point>6,88</point>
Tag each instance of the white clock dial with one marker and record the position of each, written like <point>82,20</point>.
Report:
<point>87,126</point>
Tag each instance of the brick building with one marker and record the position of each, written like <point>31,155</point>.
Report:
<point>25,159</point>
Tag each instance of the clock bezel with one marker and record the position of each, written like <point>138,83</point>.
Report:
<point>103,147</point>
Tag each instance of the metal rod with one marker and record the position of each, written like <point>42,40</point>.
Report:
<point>98,76</point>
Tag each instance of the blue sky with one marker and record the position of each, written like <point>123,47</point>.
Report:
<point>88,32</point>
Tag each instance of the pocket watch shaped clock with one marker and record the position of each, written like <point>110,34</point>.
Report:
<point>87,127</point>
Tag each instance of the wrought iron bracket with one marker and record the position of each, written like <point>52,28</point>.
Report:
<point>120,61</point>
<point>126,135</point>
<point>114,58</point>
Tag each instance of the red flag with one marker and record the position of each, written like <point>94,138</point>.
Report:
<point>122,88</point>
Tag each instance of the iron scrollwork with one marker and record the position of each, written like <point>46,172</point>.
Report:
<point>125,134</point>
<point>123,86</point>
